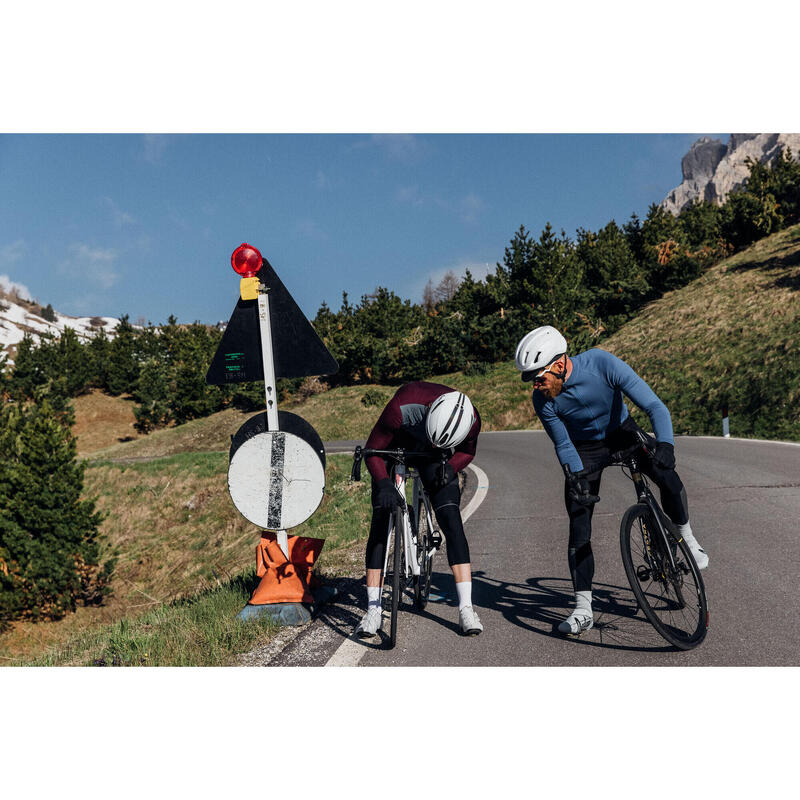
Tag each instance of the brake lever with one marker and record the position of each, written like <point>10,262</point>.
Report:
<point>443,468</point>
<point>648,443</point>
<point>355,472</point>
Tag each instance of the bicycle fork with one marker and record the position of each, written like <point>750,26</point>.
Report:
<point>643,496</point>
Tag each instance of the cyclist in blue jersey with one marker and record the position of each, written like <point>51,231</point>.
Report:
<point>579,400</point>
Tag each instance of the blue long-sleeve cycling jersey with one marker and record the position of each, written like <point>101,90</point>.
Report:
<point>590,404</point>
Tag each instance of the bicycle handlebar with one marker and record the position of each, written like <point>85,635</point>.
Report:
<point>620,457</point>
<point>400,455</point>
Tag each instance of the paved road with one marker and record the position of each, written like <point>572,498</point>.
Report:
<point>744,501</point>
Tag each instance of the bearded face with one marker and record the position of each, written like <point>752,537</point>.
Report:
<point>547,382</point>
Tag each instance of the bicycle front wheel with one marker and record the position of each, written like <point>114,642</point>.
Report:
<point>672,598</point>
<point>398,572</point>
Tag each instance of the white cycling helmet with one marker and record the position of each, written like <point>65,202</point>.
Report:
<point>537,349</point>
<point>449,420</point>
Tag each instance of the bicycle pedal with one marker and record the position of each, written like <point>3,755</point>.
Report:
<point>436,539</point>
<point>642,573</point>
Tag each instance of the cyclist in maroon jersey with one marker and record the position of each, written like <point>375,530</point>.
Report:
<point>423,417</point>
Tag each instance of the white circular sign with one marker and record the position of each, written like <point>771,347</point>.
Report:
<point>276,480</point>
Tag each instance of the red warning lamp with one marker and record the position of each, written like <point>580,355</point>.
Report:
<point>246,260</point>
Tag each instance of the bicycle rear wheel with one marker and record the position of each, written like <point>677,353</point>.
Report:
<point>672,599</point>
<point>422,582</point>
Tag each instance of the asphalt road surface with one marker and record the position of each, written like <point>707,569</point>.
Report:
<point>744,505</point>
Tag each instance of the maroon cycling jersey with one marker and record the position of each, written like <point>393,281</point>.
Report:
<point>402,424</point>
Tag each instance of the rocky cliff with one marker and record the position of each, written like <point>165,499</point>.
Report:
<point>711,168</point>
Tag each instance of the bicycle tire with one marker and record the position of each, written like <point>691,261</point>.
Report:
<point>422,582</point>
<point>674,604</point>
<point>397,573</point>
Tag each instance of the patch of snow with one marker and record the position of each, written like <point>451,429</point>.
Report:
<point>16,320</point>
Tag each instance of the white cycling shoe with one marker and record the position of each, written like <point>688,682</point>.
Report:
<point>370,623</point>
<point>577,622</point>
<point>469,621</point>
<point>700,555</point>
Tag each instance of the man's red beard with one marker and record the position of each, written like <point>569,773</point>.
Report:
<point>556,385</point>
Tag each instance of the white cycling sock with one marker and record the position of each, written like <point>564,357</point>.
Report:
<point>464,590</point>
<point>685,532</point>
<point>373,597</point>
<point>583,604</point>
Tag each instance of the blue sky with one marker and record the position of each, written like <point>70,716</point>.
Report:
<point>145,224</point>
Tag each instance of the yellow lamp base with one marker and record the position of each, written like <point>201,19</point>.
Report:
<point>248,288</point>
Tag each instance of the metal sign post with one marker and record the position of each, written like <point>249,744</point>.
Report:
<point>267,358</point>
<point>276,471</point>
<point>270,390</point>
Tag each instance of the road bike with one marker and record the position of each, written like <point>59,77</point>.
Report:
<point>412,536</point>
<point>660,567</point>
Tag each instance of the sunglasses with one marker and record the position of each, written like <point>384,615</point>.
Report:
<point>539,377</point>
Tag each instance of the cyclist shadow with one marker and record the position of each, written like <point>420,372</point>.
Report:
<point>540,604</point>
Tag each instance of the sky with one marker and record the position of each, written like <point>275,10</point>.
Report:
<point>145,225</point>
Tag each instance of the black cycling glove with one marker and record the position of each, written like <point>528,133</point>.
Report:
<point>444,475</point>
<point>388,496</point>
<point>664,455</point>
<point>579,489</point>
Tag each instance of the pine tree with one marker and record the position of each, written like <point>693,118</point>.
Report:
<point>615,281</point>
<point>99,352</point>
<point>73,361</point>
<point>32,368</point>
<point>153,392</point>
<point>49,536</point>
<point>545,278</point>
<point>123,367</point>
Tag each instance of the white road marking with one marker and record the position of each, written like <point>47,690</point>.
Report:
<point>351,650</point>
<point>741,439</point>
<point>480,492</point>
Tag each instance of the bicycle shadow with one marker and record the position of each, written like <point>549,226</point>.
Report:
<point>344,613</point>
<point>540,604</point>
<point>537,605</point>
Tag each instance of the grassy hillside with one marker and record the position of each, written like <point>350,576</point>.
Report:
<point>732,336</point>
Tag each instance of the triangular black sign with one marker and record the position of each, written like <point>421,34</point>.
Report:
<point>296,349</point>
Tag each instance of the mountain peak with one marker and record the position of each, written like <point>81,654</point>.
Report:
<point>711,169</point>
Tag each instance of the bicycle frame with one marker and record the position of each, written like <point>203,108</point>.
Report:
<point>410,527</point>
<point>421,501</point>
<point>401,474</point>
